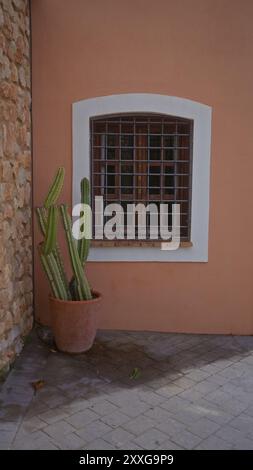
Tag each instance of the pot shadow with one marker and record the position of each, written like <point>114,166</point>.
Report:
<point>137,361</point>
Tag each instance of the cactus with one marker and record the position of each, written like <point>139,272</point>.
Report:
<point>50,255</point>
<point>83,243</point>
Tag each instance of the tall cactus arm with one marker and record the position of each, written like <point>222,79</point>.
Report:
<point>84,243</point>
<point>56,277</point>
<point>51,230</point>
<point>58,258</point>
<point>55,188</point>
<point>42,219</point>
<point>82,283</point>
<point>48,272</point>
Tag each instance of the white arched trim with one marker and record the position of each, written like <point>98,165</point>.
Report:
<point>150,103</point>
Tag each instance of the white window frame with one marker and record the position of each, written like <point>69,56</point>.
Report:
<point>150,103</point>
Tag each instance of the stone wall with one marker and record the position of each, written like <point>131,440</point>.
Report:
<point>15,180</point>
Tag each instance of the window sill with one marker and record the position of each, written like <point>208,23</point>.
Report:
<point>133,243</point>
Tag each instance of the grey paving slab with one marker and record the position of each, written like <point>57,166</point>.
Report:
<point>119,437</point>
<point>94,431</point>
<point>81,418</point>
<point>151,439</point>
<point>214,443</point>
<point>191,392</point>
<point>186,439</point>
<point>139,425</point>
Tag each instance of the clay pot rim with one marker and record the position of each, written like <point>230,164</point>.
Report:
<point>97,297</point>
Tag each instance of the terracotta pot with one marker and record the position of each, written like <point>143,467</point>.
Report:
<point>74,323</point>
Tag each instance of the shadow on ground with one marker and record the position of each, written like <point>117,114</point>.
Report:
<point>153,376</point>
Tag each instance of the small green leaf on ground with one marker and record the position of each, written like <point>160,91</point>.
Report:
<point>135,374</point>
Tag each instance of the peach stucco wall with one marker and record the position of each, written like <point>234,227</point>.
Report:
<point>196,49</point>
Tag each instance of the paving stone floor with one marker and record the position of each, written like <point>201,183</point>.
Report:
<point>131,391</point>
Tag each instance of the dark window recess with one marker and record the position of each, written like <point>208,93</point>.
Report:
<point>143,158</point>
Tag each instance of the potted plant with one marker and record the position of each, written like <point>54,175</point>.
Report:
<point>73,304</point>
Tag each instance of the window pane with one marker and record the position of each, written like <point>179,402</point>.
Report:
<point>127,128</point>
<point>154,169</point>
<point>169,170</point>
<point>169,154</point>
<point>183,181</point>
<point>98,140</point>
<point>183,141</point>
<point>182,168</point>
<point>127,154</point>
<point>183,154</point>
<point>183,128</point>
<point>155,128</point>
<point>99,127</point>
<point>169,184</point>
<point>169,128</point>
<point>126,168</point>
<point>127,140</point>
<point>154,179</point>
<point>141,128</point>
<point>127,179</point>
<point>169,180</point>
<point>155,154</point>
<point>169,141</point>
<point>114,128</point>
<point>111,153</point>
<point>141,140</point>
<point>126,184</point>
<point>110,180</point>
<point>99,153</point>
<point>155,141</point>
<point>112,140</point>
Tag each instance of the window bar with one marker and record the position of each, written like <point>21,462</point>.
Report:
<point>175,164</point>
<point>119,163</point>
<point>134,161</point>
<point>162,161</point>
<point>92,176</point>
<point>145,161</point>
<point>148,181</point>
<point>135,196</point>
<point>105,166</point>
<point>190,179</point>
<point>145,173</point>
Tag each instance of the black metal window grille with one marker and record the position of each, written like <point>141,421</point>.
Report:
<point>143,159</point>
